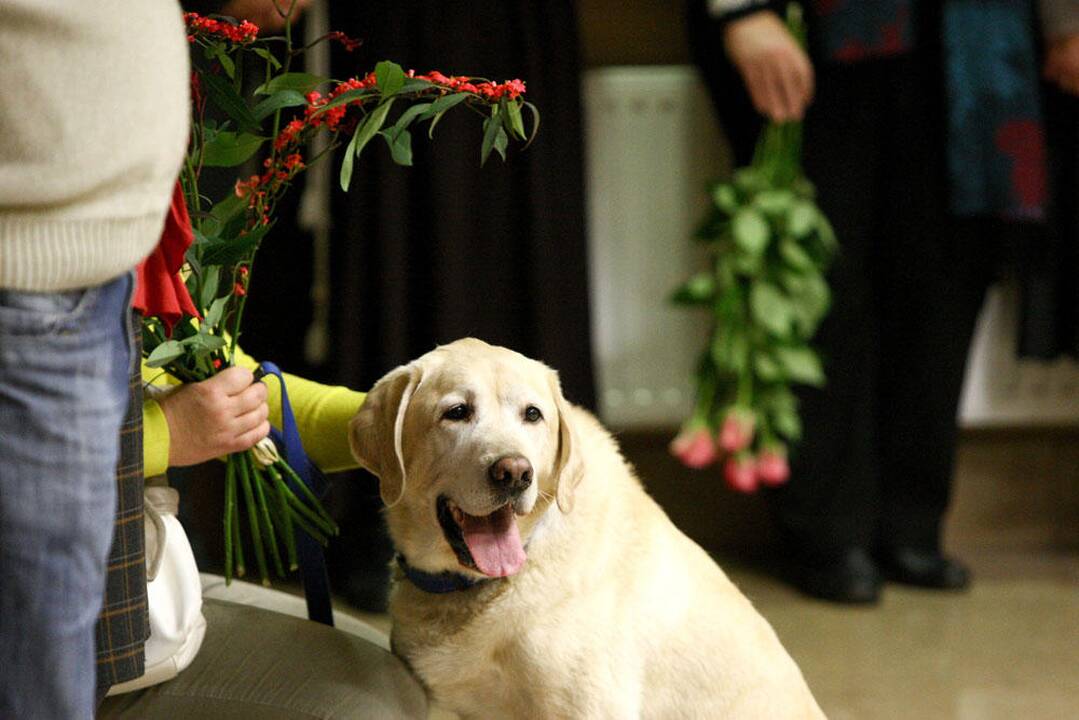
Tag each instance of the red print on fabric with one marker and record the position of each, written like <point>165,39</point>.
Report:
<point>1024,142</point>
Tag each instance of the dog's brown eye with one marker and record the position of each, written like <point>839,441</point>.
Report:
<point>458,412</point>
<point>533,414</point>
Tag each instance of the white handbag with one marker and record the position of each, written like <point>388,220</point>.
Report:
<point>173,594</point>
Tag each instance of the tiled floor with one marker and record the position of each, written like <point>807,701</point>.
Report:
<point>1008,649</point>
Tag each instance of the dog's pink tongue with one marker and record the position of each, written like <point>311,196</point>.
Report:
<point>495,542</point>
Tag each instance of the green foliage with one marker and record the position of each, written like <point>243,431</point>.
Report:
<point>770,249</point>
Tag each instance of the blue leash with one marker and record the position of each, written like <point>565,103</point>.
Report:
<point>316,581</point>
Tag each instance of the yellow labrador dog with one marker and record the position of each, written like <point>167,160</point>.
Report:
<point>536,577</point>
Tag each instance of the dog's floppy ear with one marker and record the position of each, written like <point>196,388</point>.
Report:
<point>375,432</point>
<point>568,468</point>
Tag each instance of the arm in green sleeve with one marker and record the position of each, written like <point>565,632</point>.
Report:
<point>155,439</point>
<point>322,414</point>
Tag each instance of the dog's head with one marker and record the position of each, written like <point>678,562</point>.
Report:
<point>470,443</point>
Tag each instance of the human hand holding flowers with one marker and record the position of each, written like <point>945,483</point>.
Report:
<point>769,246</point>
<point>226,413</point>
<point>775,68</point>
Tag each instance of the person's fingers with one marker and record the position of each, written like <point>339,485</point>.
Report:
<point>803,80</point>
<point>786,84</point>
<point>248,399</point>
<point>250,420</point>
<point>249,439</point>
<point>232,380</point>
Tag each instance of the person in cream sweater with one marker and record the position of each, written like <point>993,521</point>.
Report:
<point>93,127</point>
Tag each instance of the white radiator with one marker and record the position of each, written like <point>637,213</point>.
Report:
<point>652,146</point>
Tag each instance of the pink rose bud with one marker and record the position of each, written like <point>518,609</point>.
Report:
<point>737,431</point>
<point>772,467</point>
<point>695,448</point>
<point>740,472</point>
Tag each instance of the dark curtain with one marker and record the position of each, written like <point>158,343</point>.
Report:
<point>446,249</point>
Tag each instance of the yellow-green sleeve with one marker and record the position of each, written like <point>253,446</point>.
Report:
<point>322,414</point>
<point>155,439</point>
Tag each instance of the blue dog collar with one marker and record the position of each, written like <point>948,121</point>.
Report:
<point>437,583</point>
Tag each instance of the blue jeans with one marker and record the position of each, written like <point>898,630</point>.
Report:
<point>64,364</point>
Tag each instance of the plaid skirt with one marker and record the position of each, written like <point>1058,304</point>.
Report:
<point>124,623</point>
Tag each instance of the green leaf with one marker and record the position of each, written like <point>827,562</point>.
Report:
<point>826,235</point>
<point>786,422</point>
<point>210,281</point>
<point>770,308</point>
<point>513,116</point>
<point>725,197</point>
<point>749,181</point>
<point>367,130</point>
<point>535,123</point>
<point>268,57</point>
<point>347,97</point>
<point>801,364</point>
<point>347,162</point>
<point>491,127</point>
<point>774,203</point>
<point>501,142</point>
<point>730,349</point>
<point>218,52</point>
<point>750,231</point>
<point>795,257</point>
<point>698,290</point>
<point>767,368</point>
<point>439,108</point>
<point>302,83</point>
<point>407,117</point>
<point>229,101</point>
<point>165,353</point>
<point>229,149</point>
<point>203,344</point>
<point>283,99</point>
<point>230,252</point>
<point>389,78</point>
<point>802,218</point>
<point>400,144</point>
<point>214,314</point>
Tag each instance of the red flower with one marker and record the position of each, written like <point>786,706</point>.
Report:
<point>239,290</point>
<point>740,473</point>
<point>695,448</point>
<point>772,466</point>
<point>737,431</point>
<point>350,44</point>
<point>241,33</point>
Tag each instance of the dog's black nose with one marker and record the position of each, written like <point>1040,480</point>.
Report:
<point>512,473</point>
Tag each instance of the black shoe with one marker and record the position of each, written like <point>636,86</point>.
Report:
<point>923,568</point>
<point>849,576</point>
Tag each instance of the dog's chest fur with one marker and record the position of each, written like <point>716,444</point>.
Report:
<point>491,653</point>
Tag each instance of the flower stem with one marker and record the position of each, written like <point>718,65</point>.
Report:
<point>253,521</point>
<point>258,480</point>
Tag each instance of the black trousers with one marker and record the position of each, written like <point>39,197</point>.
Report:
<point>875,465</point>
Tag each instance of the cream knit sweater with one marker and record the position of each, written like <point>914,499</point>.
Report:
<point>93,128</point>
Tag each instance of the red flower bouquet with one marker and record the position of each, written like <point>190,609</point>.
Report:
<point>770,247</point>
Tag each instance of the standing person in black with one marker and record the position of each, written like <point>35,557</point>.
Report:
<point>897,156</point>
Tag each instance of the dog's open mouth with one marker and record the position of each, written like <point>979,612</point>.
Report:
<point>488,543</point>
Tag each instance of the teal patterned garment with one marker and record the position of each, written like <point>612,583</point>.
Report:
<point>996,139</point>
<point>996,136</point>
<point>855,30</point>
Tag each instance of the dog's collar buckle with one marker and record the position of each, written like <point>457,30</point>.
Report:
<point>437,583</point>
